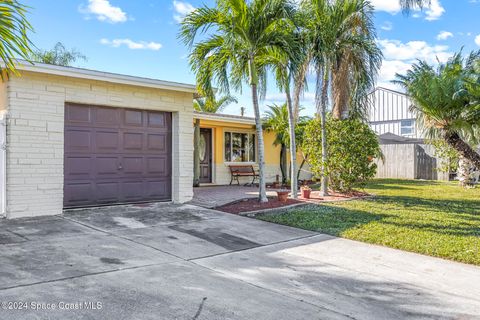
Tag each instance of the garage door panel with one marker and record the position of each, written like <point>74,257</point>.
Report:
<point>107,191</point>
<point>133,190</point>
<point>107,117</point>
<point>79,115</point>
<point>158,188</point>
<point>106,166</point>
<point>78,192</point>
<point>157,142</point>
<point>133,165</point>
<point>116,156</point>
<point>133,141</point>
<point>80,140</point>
<point>157,166</point>
<point>133,118</point>
<point>106,141</point>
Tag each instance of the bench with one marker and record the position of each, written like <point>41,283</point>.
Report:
<point>238,171</point>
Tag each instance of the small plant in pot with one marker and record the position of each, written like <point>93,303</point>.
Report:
<point>306,190</point>
<point>282,195</point>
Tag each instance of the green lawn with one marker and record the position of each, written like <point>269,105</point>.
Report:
<point>434,218</point>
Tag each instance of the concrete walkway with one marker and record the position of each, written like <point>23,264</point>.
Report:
<point>216,196</point>
<point>184,262</point>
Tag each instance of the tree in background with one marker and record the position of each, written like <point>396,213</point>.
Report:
<point>445,101</point>
<point>14,28</point>
<point>210,105</point>
<point>59,56</point>
<point>244,35</point>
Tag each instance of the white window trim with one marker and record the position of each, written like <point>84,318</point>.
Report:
<point>248,133</point>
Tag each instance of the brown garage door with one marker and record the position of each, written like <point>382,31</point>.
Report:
<point>115,155</point>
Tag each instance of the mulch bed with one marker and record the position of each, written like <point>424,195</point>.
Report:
<point>248,205</point>
<point>252,204</point>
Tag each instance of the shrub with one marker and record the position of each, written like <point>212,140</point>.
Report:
<point>352,147</point>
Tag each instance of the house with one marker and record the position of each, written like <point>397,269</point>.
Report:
<point>390,113</point>
<point>403,143</point>
<point>73,137</point>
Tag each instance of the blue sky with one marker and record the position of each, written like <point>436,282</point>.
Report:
<point>140,37</point>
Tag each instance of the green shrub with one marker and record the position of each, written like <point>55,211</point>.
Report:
<point>352,147</point>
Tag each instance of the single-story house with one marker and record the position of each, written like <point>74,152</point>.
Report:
<point>73,137</point>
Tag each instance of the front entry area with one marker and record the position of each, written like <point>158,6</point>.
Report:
<point>205,146</point>
<point>116,155</point>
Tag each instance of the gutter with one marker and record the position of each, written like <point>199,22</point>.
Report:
<point>3,163</point>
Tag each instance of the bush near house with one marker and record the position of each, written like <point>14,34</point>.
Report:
<point>352,146</point>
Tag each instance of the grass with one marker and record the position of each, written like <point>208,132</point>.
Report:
<point>434,218</point>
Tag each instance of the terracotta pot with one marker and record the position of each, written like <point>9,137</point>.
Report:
<point>282,196</point>
<point>306,193</point>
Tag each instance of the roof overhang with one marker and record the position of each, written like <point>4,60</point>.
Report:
<point>116,78</point>
<point>223,118</point>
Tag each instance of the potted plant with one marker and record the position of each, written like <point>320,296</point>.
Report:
<point>306,190</point>
<point>282,195</point>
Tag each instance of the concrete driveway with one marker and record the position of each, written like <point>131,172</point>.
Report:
<point>165,261</point>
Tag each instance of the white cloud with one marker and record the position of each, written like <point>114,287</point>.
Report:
<point>181,10</point>
<point>134,45</point>
<point>434,11</point>
<point>390,6</point>
<point>477,40</point>
<point>399,57</point>
<point>412,50</point>
<point>104,11</point>
<point>444,35</point>
<point>387,26</point>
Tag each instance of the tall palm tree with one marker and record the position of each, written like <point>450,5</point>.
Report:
<point>210,105</point>
<point>243,35</point>
<point>345,57</point>
<point>444,101</point>
<point>14,28</point>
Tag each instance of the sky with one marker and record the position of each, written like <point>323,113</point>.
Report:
<point>139,37</point>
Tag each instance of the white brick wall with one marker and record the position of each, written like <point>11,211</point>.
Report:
<point>35,138</point>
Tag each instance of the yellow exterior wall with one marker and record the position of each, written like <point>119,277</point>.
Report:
<point>221,173</point>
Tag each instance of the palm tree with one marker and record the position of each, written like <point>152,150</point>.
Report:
<point>210,105</point>
<point>344,55</point>
<point>14,29</point>
<point>277,120</point>
<point>236,51</point>
<point>444,101</point>
<point>59,56</point>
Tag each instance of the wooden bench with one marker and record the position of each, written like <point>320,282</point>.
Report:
<point>238,171</point>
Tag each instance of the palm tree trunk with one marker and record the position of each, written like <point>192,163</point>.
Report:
<point>293,146</point>
<point>196,154</point>
<point>283,162</point>
<point>454,140</point>
<point>261,149</point>
<point>323,119</point>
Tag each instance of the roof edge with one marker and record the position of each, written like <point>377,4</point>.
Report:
<point>89,74</point>
<point>223,117</point>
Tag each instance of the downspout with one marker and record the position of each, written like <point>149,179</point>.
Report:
<point>3,164</point>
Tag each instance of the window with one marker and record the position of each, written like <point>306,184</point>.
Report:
<point>240,147</point>
<point>407,127</point>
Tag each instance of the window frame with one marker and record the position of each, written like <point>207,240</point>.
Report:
<point>410,127</point>
<point>249,134</point>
